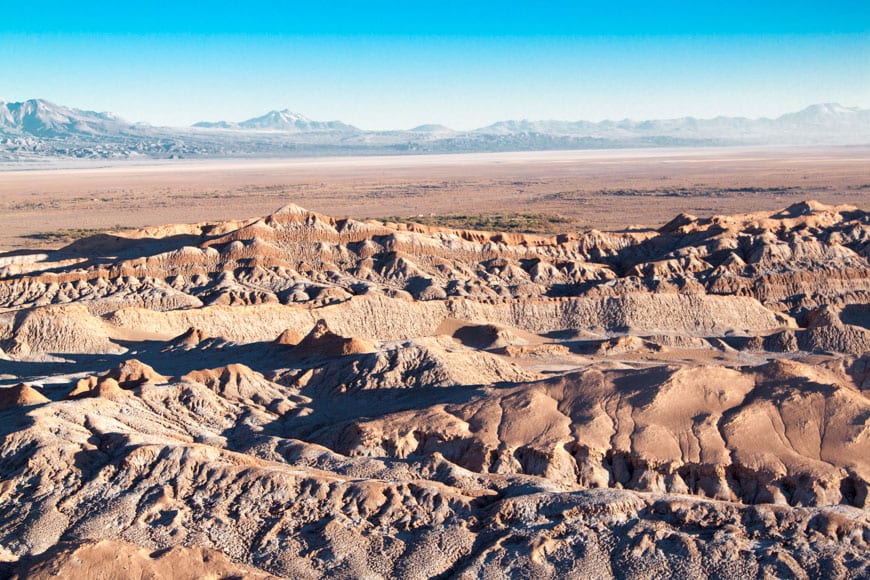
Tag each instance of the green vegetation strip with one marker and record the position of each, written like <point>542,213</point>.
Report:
<point>532,223</point>
<point>71,234</point>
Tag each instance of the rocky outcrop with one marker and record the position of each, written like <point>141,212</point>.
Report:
<point>131,481</point>
<point>20,395</point>
<point>694,430</point>
<point>116,559</point>
<point>802,258</point>
<point>300,396</point>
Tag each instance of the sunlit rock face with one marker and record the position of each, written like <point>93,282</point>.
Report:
<point>300,396</point>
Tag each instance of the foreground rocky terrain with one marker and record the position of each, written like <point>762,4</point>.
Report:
<point>297,396</point>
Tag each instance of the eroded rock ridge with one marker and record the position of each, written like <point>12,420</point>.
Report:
<point>299,395</point>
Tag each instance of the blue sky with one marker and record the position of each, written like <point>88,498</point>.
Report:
<point>465,64</point>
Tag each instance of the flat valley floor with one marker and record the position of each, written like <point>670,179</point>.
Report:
<point>607,190</point>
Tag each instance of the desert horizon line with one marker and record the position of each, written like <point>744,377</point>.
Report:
<point>432,123</point>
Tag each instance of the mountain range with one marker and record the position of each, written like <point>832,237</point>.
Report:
<point>38,129</point>
<point>284,120</point>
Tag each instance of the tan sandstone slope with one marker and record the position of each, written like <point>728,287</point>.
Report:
<point>301,396</point>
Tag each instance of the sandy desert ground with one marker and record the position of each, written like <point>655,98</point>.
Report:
<point>301,395</point>
<point>594,189</point>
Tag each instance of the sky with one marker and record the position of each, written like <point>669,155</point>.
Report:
<point>395,65</point>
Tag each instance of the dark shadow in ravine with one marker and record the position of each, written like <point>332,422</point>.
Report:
<point>64,364</point>
<point>262,357</point>
<point>106,249</point>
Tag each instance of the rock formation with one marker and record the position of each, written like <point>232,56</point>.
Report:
<point>299,396</point>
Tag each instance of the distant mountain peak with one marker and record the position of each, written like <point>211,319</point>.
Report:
<point>830,108</point>
<point>288,114</point>
<point>824,114</point>
<point>432,128</point>
<point>46,119</point>
<point>283,120</point>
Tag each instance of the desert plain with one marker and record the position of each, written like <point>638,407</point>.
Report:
<point>316,367</point>
<point>607,189</point>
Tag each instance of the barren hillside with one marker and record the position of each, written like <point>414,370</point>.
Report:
<point>297,396</point>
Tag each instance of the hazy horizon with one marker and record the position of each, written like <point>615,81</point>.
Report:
<point>384,66</point>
